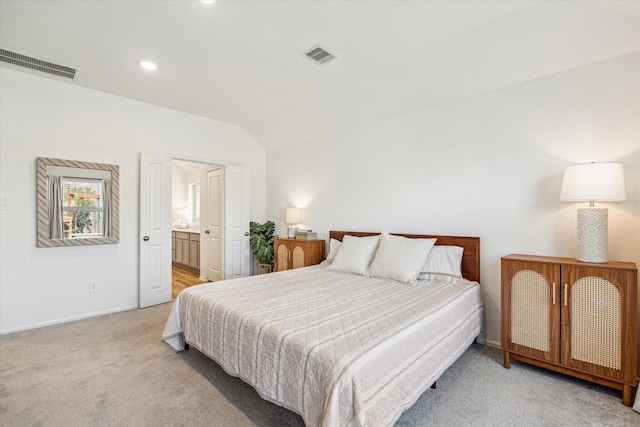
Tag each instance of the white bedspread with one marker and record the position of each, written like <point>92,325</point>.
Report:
<point>338,349</point>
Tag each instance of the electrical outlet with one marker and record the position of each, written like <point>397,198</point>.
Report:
<point>93,286</point>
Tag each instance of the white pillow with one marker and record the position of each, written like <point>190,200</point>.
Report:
<point>400,258</point>
<point>334,245</point>
<point>355,254</point>
<point>444,259</point>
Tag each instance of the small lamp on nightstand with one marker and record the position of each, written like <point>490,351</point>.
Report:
<point>292,216</point>
<point>593,181</point>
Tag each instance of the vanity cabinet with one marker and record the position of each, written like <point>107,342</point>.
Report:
<point>294,253</point>
<point>194,251</point>
<point>572,317</point>
<point>185,249</point>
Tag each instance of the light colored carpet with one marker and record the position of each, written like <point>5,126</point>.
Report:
<point>114,371</point>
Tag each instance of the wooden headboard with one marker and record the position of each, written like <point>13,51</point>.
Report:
<point>470,256</point>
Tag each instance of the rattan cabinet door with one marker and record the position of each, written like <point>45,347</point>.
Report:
<point>293,253</point>
<point>281,255</point>
<point>595,318</point>
<point>531,309</point>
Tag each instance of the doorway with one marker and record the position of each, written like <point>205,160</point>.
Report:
<point>191,208</point>
<point>155,230</point>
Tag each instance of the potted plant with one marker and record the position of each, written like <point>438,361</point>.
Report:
<point>261,241</point>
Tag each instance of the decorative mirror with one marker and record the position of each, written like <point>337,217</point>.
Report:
<point>77,203</point>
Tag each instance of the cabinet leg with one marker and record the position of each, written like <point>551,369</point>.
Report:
<point>627,394</point>
<point>506,360</point>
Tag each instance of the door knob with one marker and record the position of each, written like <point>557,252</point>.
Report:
<point>246,233</point>
<point>206,231</point>
<point>145,238</point>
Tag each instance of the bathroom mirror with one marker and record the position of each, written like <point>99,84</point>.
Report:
<point>194,202</point>
<point>77,203</point>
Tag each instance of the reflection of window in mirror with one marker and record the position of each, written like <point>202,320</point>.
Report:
<point>82,207</point>
<point>77,203</point>
<point>194,202</point>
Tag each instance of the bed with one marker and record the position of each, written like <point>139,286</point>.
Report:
<point>338,348</point>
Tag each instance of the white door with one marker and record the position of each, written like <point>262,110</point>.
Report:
<point>155,230</point>
<point>215,224</point>
<point>237,253</point>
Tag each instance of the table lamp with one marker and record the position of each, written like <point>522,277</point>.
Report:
<point>590,182</point>
<point>182,217</point>
<point>292,216</point>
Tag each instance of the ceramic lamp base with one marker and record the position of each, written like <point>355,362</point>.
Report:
<point>592,235</point>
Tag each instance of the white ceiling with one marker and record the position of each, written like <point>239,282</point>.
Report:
<point>240,61</point>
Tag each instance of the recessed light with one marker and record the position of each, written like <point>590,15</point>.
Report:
<point>207,1</point>
<point>147,65</point>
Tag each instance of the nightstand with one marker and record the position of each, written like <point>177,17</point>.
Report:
<point>572,317</point>
<point>295,253</point>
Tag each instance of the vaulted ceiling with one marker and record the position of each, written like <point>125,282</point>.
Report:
<point>241,62</point>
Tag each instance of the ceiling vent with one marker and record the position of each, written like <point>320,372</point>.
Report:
<point>318,55</point>
<point>36,64</point>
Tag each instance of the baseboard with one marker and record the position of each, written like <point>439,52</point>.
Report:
<point>491,343</point>
<point>66,320</point>
<point>482,339</point>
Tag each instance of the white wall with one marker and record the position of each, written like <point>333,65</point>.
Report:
<point>489,166</point>
<point>48,118</point>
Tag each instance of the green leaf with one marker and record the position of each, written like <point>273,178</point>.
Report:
<point>261,240</point>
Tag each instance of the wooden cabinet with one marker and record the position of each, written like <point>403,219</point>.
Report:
<point>572,317</point>
<point>182,248</point>
<point>185,249</point>
<point>293,253</point>
<point>173,246</point>
<point>194,251</point>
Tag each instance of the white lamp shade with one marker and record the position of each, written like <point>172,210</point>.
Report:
<point>182,213</point>
<point>593,181</point>
<point>293,216</point>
